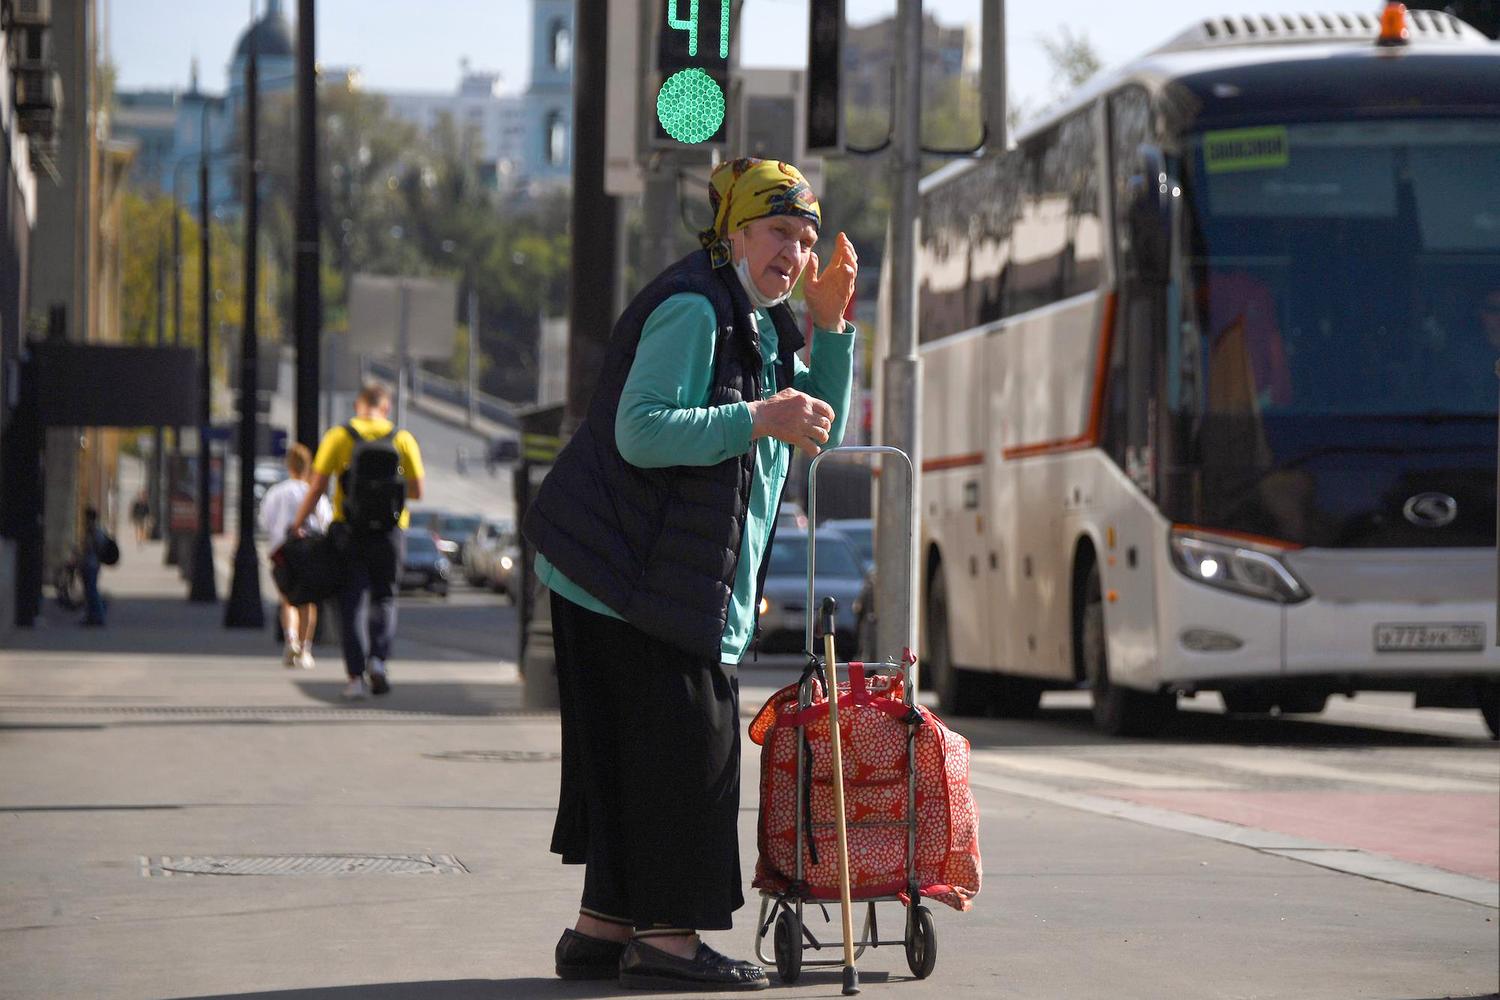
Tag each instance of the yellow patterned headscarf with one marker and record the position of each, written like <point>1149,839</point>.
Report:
<point>743,190</point>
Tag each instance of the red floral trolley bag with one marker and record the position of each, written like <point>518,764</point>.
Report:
<point>874,728</point>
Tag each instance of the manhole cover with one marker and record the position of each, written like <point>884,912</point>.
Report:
<point>497,756</point>
<point>303,864</point>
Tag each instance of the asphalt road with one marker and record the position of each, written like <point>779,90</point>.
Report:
<point>1351,854</point>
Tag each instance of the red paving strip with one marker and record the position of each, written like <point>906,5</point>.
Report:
<point>1454,831</point>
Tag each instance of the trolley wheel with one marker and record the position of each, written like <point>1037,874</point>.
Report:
<point>921,944</point>
<point>788,945</point>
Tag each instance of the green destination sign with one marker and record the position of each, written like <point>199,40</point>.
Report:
<point>1230,150</point>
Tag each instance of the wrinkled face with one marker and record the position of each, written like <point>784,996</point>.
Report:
<point>777,248</point>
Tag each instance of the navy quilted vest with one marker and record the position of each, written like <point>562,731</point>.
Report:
<point>660,546</point>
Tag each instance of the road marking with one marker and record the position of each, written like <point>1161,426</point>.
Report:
<point>1363,863</point>
<point>1289,767</point>
<point>1058,766</point>
<point>1487,768</point>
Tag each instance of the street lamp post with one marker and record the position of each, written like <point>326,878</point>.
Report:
<point>169,557</point>
<point>471,371</point>
<point>244,608</point>
<point>173,555</point>
<point>158,462</point>
<point>309,318</point>
<point>203,590</point>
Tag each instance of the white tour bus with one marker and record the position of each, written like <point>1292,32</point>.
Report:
<point>1209,397</point>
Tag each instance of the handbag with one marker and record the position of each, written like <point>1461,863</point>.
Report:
<point>878,731</point>
<point>307,569</point>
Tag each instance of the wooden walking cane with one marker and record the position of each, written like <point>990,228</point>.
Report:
<point>851,975</point>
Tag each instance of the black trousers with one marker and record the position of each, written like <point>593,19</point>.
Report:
<point>650,794</point>
<point>367,602</point>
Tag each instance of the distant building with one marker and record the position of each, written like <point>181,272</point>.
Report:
<point>169,129</point>
<point>149,119</point>
<point>524,140</point>
<point>498,121</point>
<point>869,60</point>
<point>548,152</point>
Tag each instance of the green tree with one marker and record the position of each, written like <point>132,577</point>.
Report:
<point>147,232</point>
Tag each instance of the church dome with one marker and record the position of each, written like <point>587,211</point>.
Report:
<point>272,35</point>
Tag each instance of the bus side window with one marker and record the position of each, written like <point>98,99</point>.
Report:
<point>1129,130</point>
<point>1131,411</point>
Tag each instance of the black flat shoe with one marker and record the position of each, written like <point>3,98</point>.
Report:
<point>643,967</point>
<point>582,957</point>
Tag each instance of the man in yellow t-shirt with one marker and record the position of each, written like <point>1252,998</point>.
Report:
<point>367,602</point>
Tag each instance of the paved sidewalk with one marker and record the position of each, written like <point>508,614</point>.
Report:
<point>165,742</point>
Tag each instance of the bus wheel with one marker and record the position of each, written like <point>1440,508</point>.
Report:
<point>1248,701</point>
<point>1302,703</point>
<point>1118,711</point>
<point>1489,707</point>
<point>1015,697</point>
<point>960,692</point>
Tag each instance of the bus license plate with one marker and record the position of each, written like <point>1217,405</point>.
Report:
<point>1464,637</point>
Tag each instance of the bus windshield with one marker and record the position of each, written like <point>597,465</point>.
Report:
<point>1346,269</point>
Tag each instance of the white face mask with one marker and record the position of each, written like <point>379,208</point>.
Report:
<point>757,297</point>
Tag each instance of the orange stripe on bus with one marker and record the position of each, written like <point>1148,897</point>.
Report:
<point>953,462</point>
<point>1243,536</point>
<point>1090,437</point>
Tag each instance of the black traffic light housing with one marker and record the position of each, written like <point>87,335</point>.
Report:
<point>691,86</point>
<point>825,77</point>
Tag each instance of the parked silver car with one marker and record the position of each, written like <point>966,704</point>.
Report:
<point>490,556</point>
<point>504,569</point>
<point>481,547</point>
<point>860,531</point>
<point>783,605</point>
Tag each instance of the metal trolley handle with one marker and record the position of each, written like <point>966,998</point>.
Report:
<point>884,451</point>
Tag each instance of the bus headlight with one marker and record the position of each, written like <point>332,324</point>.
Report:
<point>1230,564</point>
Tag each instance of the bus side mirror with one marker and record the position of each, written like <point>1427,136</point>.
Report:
<point>1150,193</point>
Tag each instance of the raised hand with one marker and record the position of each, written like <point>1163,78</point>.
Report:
<point>828,293</point>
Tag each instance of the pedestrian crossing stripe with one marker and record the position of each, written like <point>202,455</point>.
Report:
<point>1486,768</point>
<point>1262,765</point>
<point>1087,770</point>
<point>1289,767</point>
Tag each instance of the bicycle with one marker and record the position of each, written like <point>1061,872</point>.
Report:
<point>67,582</point>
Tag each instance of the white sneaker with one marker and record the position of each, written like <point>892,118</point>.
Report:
<point>354,689</point>
<point>305,659</point>
<point>289,655</point>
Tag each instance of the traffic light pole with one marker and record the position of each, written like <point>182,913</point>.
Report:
<point>591,302</point>
<point>659,218</point>
<point>895,551</point>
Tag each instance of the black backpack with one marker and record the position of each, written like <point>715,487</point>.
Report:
<point>373,485</point>
<point>108,551</point>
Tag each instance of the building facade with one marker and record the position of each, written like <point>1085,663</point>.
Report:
<point>523,140</point>
<point>549,131</point>
<point>496,121</point>
<point>21,145</point>
<point>870,59</point>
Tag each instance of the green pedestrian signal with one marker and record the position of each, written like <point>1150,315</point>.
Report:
<point>692,72</point>
<point>690,106</point>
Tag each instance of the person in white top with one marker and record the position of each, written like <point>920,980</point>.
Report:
<point>276,513</point>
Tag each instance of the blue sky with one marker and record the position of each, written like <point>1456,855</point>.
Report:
<point>400,45</point>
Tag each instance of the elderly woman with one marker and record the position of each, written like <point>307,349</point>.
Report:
<point>652,531</point>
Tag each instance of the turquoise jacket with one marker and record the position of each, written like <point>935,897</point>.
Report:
<point>663,421</point>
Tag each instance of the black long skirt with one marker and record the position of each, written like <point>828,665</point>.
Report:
<point>650,792</point>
